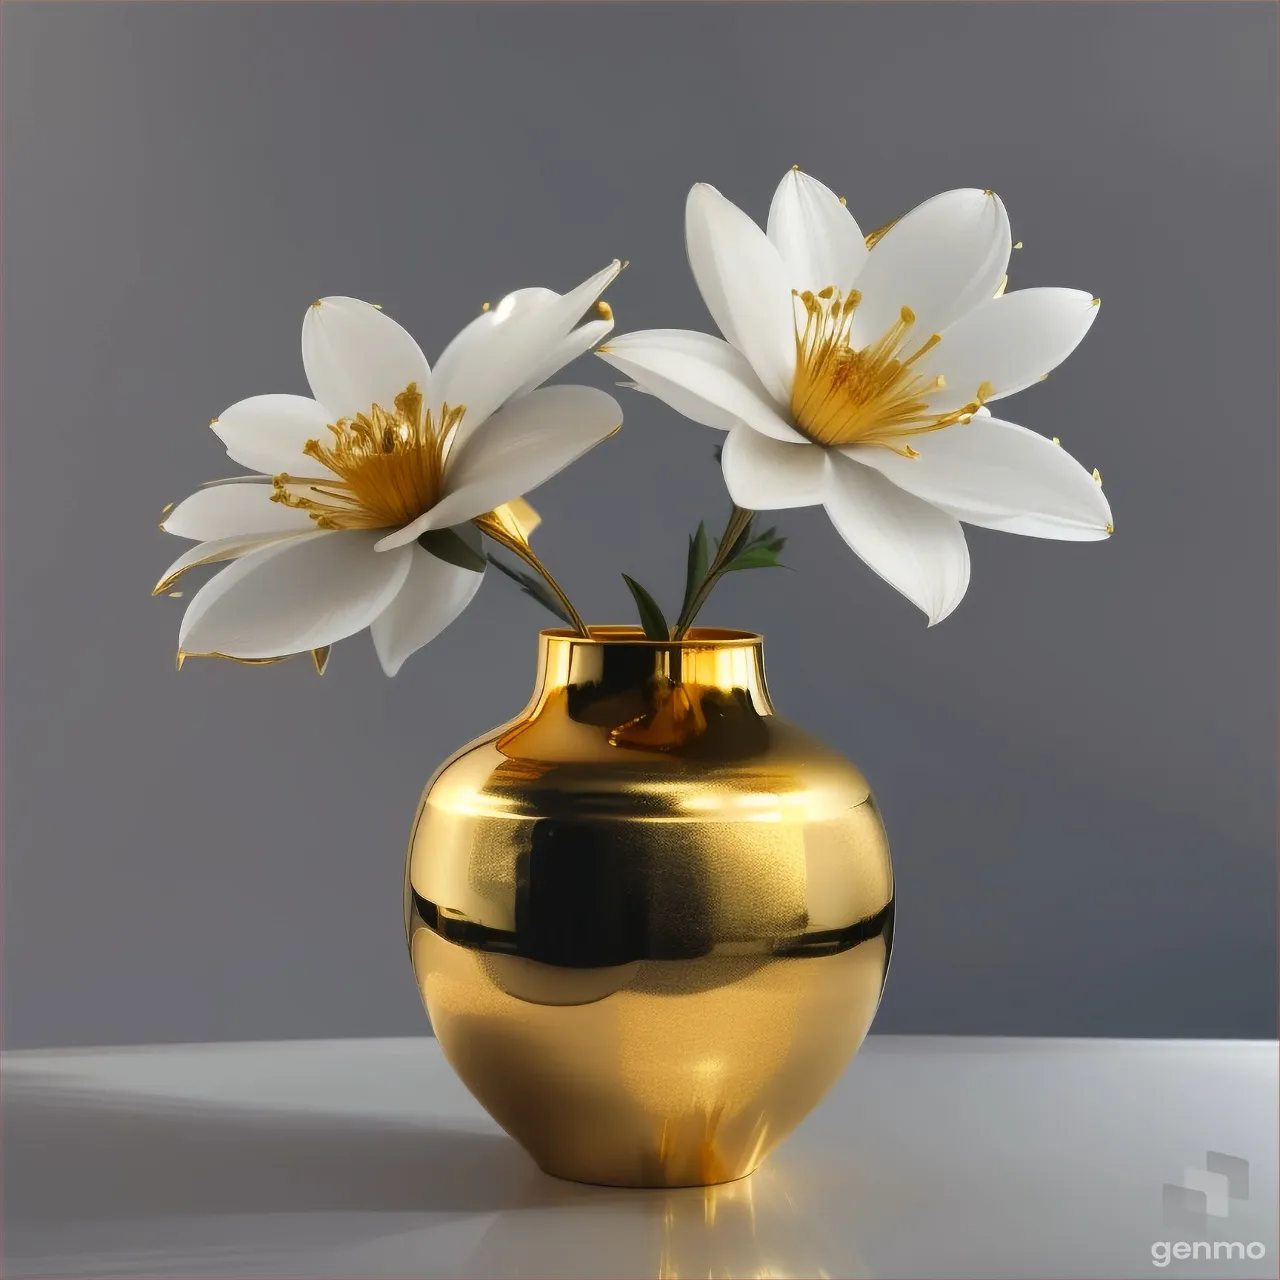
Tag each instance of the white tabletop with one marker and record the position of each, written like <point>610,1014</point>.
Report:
<point>932,1157</point>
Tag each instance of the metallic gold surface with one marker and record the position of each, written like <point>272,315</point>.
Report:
<point>518,517</point>
<point>650,919</point>
<point>878,234</point>
<point>183,655</point>
<point>510,533</point>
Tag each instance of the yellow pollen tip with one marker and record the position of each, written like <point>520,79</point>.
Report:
<point>1097,302</point>
<point>912,453</point>
<point>1110,529</point>
<point>377,306</point>
<point>908,316</point>
<point>213,422</point>
<point>315,304</point>
<point>1097,476</point>
<point>604,350</point>
<point>988,192</point>
<point>828,292</point>
<point>964,419</point>
<point>795,168</point>
<point>1018,245</point>
<point>605,310</point>
<point>167,509</point>
<point>1043,377</point>
<point>1057,441</point>
<point>175,595</point>
<point>843,200</point>
<point>939,382</point>
<point>484,306</point>
<point>182,657</point>
<point>624,264</point>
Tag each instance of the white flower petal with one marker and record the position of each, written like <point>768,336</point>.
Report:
<point>298,595</point>
<point>498,356</point>
<point>767,475</point>
<point>914,547</point>
<point>1030,526</point>
<point>700,376</point>
<point>942,259</point>
<point>817,237</point>
<point>523,444</point>
<point>215,552</point>
<point>433,595</point>
<point>268,433</point>
<point>1011,342</point>
<point>356,357</point>
<point>577,342</point>
<point>745,285</point>
<point>997,474</point>
<point>517,306</point>
<point>234,510</point>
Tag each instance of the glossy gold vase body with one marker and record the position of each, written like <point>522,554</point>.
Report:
<point>650,919</point>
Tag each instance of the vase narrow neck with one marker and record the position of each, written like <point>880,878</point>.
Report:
<point>619,661</point>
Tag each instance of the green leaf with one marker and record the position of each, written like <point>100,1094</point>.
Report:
<point>754,558</point>
<point>696,569</point>
<point>760,553</point>
<point>532,586</point>
<point>459,546</point>
<point>651,619</point>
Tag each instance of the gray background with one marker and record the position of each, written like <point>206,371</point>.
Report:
<point>1077,768</point>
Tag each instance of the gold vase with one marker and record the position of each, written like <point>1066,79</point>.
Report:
<point>649,918</point>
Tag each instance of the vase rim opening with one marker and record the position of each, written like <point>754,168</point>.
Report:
<point>695,638</point>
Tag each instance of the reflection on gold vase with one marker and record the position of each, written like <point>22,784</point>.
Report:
<point>649,918</point>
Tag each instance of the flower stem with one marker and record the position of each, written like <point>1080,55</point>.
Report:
<point>518,546</point>
<point>739,519</point>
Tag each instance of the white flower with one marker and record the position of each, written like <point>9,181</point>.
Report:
<point>324,539</point>
<point>856,378</point>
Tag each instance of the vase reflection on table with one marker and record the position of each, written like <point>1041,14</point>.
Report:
<point>650,919</point>
<point>756,1228</point>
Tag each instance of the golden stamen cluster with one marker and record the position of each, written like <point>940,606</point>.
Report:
<point>844,396</point>
<point>389,467</point>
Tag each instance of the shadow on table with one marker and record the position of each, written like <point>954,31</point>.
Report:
<point>79,1158</point>
<point>76,1160</point>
